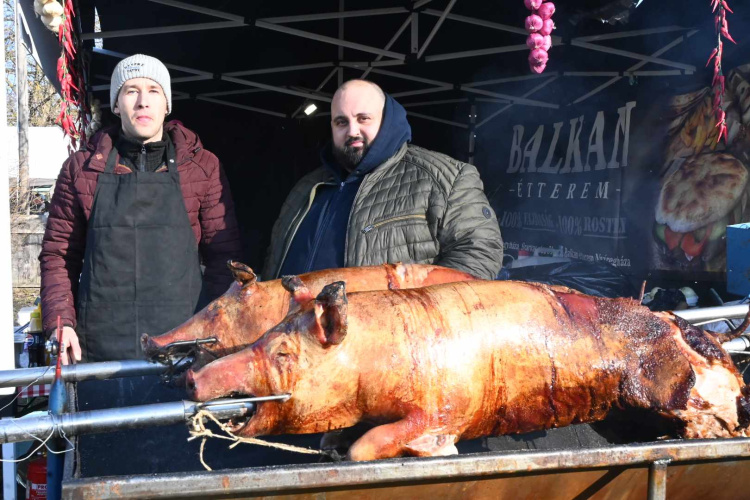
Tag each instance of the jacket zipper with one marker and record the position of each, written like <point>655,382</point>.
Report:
<point>369,228</point>
<point>354,203</point>
<point>300,218</point>
<point>142,162</point>
<point>349,223</point>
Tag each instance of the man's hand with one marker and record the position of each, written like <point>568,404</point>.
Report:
<point>71,347</point>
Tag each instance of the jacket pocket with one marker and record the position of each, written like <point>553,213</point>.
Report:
<point>392,220</point>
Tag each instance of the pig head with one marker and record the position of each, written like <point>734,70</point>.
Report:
<point>296,356</point>
<point>245,310</point>
<point>249,308</point>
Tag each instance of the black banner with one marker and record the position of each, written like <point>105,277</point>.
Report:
<point>636,179</point>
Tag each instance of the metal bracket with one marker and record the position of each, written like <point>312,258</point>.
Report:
<point>657,479</point>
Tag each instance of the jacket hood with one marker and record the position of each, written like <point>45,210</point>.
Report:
<point>394,132</point>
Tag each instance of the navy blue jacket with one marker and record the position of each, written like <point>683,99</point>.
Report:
<point>321,237</point>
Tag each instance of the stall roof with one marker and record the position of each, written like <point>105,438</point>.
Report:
<point>242,70</point>
<point>273,57</point>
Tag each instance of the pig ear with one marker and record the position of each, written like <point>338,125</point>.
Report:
<point>242,273</point>
<point>330,314</point>
<point>294,285</point>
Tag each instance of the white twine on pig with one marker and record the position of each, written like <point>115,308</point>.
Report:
<point>198,430</point>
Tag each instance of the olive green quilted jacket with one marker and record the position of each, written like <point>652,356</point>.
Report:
<point>418,207</point>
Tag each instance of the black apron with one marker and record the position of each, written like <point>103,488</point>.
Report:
<point>141,271</point>
<point>141,274</point>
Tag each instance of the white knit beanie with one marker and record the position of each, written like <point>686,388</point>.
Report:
<point>140,66</point>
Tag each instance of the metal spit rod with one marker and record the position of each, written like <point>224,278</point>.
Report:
<point>86,371</point>
<point>737,311</point>
<point>134,417</point>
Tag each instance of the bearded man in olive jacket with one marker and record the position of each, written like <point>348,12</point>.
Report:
<point>378,199</point>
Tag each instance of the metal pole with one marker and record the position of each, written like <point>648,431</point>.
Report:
<point>275,88</point>
<point>340,78</point>
<point>290,479</point>
<point>674,72</point>
<point>435,29</point>
<point>180,28</point>
<point>514,99</point>
<point>438,120</point>
<point>334,71</point>
<point>415,33</point>
<point>7,356</point>
<point>511,79</point>
<point>391,42</point>
<point>200,10</point>
<point>84,371</point>
<point>632,55</point>
<point>407,93</point>
<point>280,69</point>
<point>626,34</point>
<point>482,22</point>
<point>22,118</point>
<point>506,107</point>
<point>636,66</point>
<point>657,480</point>
<point>713,313</point>
<point>7,350</point>
<point>476,53</point>
<point>472,131</point>
<point>328,39</point>
<point>240,106</point>
<point>133,417</point>
<point>430,103</point>
<point>121,55</point>
<point>334,15</point>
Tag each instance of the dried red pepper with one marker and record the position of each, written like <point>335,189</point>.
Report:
<point>721,25</point>
<point>70,74</point>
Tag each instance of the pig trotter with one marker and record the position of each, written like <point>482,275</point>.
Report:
<point>405,437</point>
<point>385,441</point>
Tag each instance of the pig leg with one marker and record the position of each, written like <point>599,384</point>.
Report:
<point>406,436</point>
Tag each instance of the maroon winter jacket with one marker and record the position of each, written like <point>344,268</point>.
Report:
<point>207,199</point>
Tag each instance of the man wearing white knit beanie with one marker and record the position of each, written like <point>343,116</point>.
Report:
<point>141,95</point>
<point>134,216</point>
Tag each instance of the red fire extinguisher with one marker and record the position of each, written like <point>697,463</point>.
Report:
<point>36,479</point>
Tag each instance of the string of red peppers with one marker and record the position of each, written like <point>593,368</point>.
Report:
<point>720,8</point>
<point>71,80</point>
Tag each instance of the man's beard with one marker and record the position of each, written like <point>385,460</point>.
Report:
<point>349,157</point>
